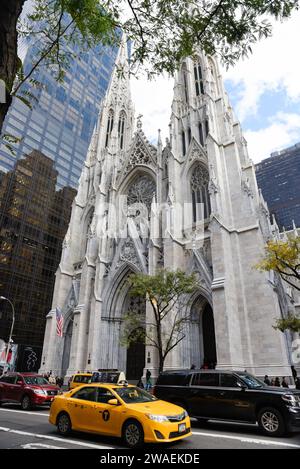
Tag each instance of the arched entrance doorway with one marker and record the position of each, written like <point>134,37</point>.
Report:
<point>67,348</point>
<point>135,357</point>
<point>202,334</point>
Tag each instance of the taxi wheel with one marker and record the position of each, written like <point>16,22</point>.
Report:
<point>64,425</point>
<point>271,422</point>
<point>133,434</point>
<point>25,403</point>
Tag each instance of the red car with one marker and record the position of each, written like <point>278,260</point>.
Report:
<point>28,389</point>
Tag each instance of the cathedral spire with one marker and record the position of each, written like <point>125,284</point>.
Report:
<point>116,120</point>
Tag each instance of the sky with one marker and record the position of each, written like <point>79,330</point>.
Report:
<point>264,91</point>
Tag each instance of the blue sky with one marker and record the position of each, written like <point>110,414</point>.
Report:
<point>264,91</point>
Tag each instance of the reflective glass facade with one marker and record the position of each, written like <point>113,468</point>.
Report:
<point>279,179</point>
<point>34,218</point>
<point>61,122</point>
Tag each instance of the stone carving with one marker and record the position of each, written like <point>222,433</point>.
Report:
<point>128,254</point>
<point>213,186</point>
<point>246,186</point>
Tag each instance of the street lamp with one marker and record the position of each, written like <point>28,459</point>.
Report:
<point>11,331</point>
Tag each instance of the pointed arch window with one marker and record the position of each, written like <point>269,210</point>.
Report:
<point>200,195</point>
<point>201,137</point>
<point>121,129</point>
<point>189,134</point>
<point>183,143</point>
<point>199,85</point>
<point>206,127</point>
<point>110,124</point>
<point>185,83</point>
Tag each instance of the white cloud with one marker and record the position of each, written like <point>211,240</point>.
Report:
<point>282,132</point>
<point>273,66</point>
<point>153,100</point>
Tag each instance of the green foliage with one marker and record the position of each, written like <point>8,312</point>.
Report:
<point>284,258</point>
<point>291,323</point>
<point>8,140</point>
<point>163,31</point>
<point>168,293</point>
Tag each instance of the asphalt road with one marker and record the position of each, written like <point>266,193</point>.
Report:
<point>31,430</point>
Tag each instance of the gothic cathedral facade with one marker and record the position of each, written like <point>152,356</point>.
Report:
<point>193,205</point>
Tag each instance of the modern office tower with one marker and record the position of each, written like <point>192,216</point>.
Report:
<point>279,179</point>
<point>34,217</point>
<point>61,122</point>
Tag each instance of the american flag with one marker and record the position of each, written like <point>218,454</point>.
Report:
<point>59,322</point>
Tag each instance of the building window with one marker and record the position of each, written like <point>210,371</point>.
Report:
<point>200,194</point>
<point>121,129</point>
<point>201,137</point>
<point>183,142</point>
<point>189,134</point>
<point>110,124</point>
<point>206,127</point>
<point>185,83</point>
<point>198,79</point>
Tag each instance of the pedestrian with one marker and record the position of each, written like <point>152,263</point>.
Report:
<point>267,381</point>
<point>193,366</point>
<point>140,383</point>
<point>277,382</point>
<point>284,383</point>
<point>294,373</point>
<point>297,382</point>
<point>148,380</point>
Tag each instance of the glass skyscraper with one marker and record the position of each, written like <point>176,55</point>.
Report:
<point>278,177</point>
<point>63,116</point>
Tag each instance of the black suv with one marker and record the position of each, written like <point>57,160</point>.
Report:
<point>231,395</point>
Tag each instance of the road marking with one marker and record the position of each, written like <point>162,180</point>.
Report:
<point>23,412</point>
<point>247,440</point>
<point>54,438</point>
<point>39,446</point>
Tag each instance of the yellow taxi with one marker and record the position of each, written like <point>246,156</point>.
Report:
<point>124,411</point>
<point>79,380</point>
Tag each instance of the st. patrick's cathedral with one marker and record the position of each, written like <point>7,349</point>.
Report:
<point>191,204</point>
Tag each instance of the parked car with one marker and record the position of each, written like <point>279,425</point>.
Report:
<point>231,395</point>
<point>121,411</point>
<point>28,389</point>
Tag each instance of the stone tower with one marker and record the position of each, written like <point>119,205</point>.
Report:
<point>192,205</point>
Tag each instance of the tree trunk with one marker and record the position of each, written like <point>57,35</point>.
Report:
<point>10,11</point>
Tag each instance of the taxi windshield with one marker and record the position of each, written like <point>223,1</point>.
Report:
<point>134,395</point>
<point>38,380</point>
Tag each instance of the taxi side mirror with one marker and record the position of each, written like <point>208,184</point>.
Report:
<point>113,402</point>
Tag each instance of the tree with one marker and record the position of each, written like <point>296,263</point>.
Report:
<point>163,31</point>
<point>284,258</point>
<point>167,293</point>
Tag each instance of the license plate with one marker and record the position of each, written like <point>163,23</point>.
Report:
<point>181,427</point>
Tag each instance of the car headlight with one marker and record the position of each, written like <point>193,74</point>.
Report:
<point>291,399</point>
<point>40,392</point>
<point>158,418</point>
<point>185,414</point>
